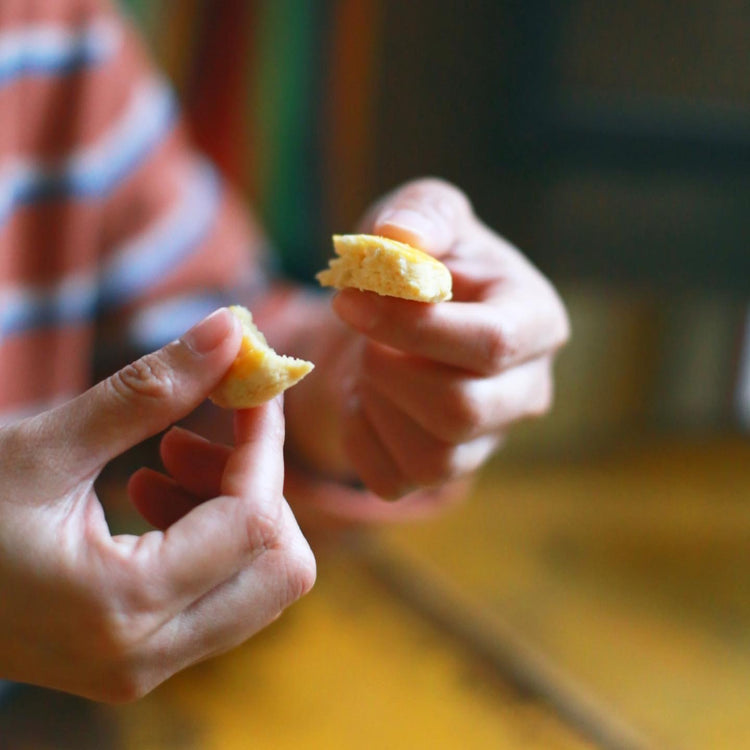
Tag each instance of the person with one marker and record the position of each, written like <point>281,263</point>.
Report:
<point>114,235</point>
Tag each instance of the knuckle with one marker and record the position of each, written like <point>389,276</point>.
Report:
<point>460,416</point>
<point>508,340</point>
<point>119,643</point>
<point>563,326</point>
<point>263,531</point>
<point>544,397</point>
<point>119,626</point>
<point>123,684</point>
<point>111,635</point>
<point>146,378</point>
<point>301,573</point>
<point>501,344</point>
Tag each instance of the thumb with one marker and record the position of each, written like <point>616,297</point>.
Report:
<point>429,214</point>
<point>146,396</point>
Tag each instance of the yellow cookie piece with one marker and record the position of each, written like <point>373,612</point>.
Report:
<point>258,373</point>
<point>388,267</point>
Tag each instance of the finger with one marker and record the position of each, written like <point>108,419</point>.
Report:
<point>159,499</point>
<point>422,458</point>
<point>238,608</point>
<point>223,535</point>
<point>195,463</point>
<point>482,337</point>
<point>146,396</point>
<point>256,465</point>
<point>456,407</point>
<point>427,213</point>
<point>372,461</point>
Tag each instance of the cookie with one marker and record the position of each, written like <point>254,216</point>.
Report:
<point>387,267</point>
<point>258,373</point>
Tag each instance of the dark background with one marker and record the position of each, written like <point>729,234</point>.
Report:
<point>611,140</point>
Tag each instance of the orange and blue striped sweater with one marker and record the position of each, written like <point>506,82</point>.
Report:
<point>108,218</point>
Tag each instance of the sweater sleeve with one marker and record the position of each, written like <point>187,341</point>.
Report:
<point>176,240</point>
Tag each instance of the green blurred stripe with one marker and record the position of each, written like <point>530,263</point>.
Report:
<point>285,120</point>
<point>145,13</point>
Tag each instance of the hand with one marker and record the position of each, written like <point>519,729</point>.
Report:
<point>110,617</point>
<point>431,390</point>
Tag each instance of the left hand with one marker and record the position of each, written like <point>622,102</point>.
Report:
<point>432,389</point>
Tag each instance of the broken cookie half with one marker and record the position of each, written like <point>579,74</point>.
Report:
<point>387,267</point>
<point>258,373</point>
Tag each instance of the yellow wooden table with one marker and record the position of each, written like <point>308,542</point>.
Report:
<point>574,605</point>
<point>350,666</point>
<point>628,577</point>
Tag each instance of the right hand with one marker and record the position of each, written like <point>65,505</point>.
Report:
<point>110,617</point>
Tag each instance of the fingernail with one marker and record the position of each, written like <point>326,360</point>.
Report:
<point>205,336</point>
<point>408,220</point>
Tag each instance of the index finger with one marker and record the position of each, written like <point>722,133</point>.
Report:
<point>256,465</point>
<point>487,337</point>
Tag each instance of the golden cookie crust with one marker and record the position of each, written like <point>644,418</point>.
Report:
<point>258,373</point>
<point>387,267</point>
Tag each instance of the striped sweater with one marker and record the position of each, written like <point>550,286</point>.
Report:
<point>109,222</point>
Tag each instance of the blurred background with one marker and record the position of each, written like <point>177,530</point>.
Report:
<point>594,590</point>
<point>610,141</point>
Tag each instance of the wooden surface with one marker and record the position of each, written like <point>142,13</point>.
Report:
<point>597,603</point>
<point>630,573</point>
<point>349,667</point>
